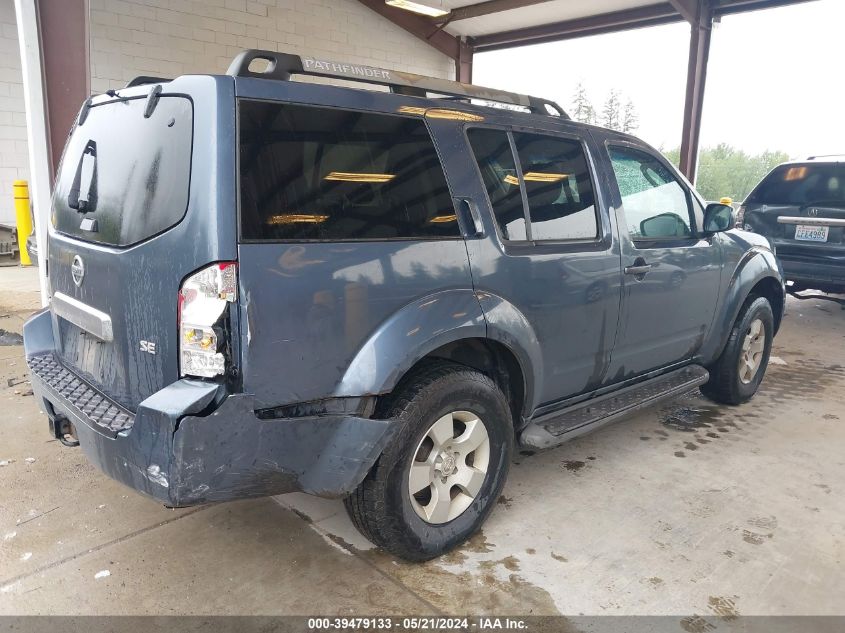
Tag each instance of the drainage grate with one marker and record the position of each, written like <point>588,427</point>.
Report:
<point>96,407</point>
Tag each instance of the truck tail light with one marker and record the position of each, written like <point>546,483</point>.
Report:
<point>204,319</point>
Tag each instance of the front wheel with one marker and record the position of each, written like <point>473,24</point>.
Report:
<point>735,377</point>
<point>444,468</point>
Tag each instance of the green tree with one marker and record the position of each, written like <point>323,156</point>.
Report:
<point>630,118</point>
<point>611,111</point>
<point>724,170</point>
<point>582,108</point>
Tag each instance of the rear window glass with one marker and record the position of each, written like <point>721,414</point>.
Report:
<point>558,187</point>
<point>309,173</point>
<point>125,178</point>
<point>802,185</point>
<point>498,171</point>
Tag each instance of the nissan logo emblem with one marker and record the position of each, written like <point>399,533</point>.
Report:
<point>77,270</point>
<point>813,213</point>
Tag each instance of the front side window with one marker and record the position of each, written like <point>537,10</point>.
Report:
<point>309,173</point>
<point>654,202</point>
<point>498,172</point>
<point>558,187</point>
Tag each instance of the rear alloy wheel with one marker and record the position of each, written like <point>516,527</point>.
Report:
<point>449,467</point>
<point>735,377</point>
<point>445,465</point>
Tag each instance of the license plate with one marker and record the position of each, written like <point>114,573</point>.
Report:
<point>811,233</point>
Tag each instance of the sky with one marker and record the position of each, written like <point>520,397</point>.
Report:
<point>776,79</point>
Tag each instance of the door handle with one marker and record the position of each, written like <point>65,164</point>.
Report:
<point>639,269</point>
<point>470,217</point>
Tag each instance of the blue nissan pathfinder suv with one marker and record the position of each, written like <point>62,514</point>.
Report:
<point>260,285</point>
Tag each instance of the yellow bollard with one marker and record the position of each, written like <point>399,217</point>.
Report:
<point>24,218</point>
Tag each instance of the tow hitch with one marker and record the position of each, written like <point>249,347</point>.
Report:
<point>62,429</point>
<point>795,294</point>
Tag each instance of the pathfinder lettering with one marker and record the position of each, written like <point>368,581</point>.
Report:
<point>345,69</point>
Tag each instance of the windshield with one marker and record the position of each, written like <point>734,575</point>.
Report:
<point>125,177</point>
<point>801,185</point>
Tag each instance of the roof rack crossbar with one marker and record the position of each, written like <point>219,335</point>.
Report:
<point>280,66</point>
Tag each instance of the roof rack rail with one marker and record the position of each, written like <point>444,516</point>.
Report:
<point>816,157</point>
<point>281,66</point>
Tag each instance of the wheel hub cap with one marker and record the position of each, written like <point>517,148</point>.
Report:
<point>751,355</point>
<point>449,467</point>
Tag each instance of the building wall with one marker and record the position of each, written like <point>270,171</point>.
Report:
<point>166,38</point>
<point>14,160</point>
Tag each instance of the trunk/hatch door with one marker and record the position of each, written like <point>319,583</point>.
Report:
<point>815,191</point>
<point>121,244</point>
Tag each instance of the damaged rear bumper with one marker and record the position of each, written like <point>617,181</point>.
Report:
<point>192,443</point>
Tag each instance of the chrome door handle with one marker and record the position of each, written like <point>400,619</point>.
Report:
<point>639,269</point>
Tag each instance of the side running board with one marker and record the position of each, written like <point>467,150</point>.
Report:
<point>558,427</point>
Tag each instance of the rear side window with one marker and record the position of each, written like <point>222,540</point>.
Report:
<point>801,185</point>
<point>309,173</point>
<point>654,202</point>
<point>498,172</point>
<point>558,187</point>
<point>125,177</point>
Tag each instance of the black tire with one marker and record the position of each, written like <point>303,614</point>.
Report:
<point>725,385</point>
<point>381,506</point>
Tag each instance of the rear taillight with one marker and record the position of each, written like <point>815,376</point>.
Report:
<point>203,319</point>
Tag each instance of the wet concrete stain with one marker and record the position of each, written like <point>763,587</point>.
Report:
<point>573,466</point>
<point>754,538</point>
<point>723,607</point>
<point>830,416</point>
<point>531,551</point>
<point>645,438</point>
<point>691,419</point>
<point>655,581</point>
<point>504,501</point>
<point>696,624</point>
<point>728,553</point>
<point>559,558</point>
<point>690,446</point>
<point>680,454</point>
<point>766,523</point>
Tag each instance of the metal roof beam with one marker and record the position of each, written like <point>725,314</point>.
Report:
<point>489,7</point>
<point>650,15</point>
<point>687,8</point>
<point>420,27</point>
<point>627,19</point>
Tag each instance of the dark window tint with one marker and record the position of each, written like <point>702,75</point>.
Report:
<point>495,161</point>
<point>802,184</point>
<point>654,202</point>
<point>328,174</point>
<point>125,177</point>
<point>558,187</point>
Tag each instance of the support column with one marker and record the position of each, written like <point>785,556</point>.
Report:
<point>699,52</point>
<point>26,14</point>
<point>463,63</point>
<point>53,38</point>
<point>63,25</point>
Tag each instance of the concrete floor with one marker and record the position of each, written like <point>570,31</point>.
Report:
<point>691,508</point>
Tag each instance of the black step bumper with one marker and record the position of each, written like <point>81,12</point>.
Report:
<point>191,443</point>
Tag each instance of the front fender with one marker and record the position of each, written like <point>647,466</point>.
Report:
<point>409,335</point>
<point>755,263</point>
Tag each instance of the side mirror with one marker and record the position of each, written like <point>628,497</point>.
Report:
<point>718,217</point>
